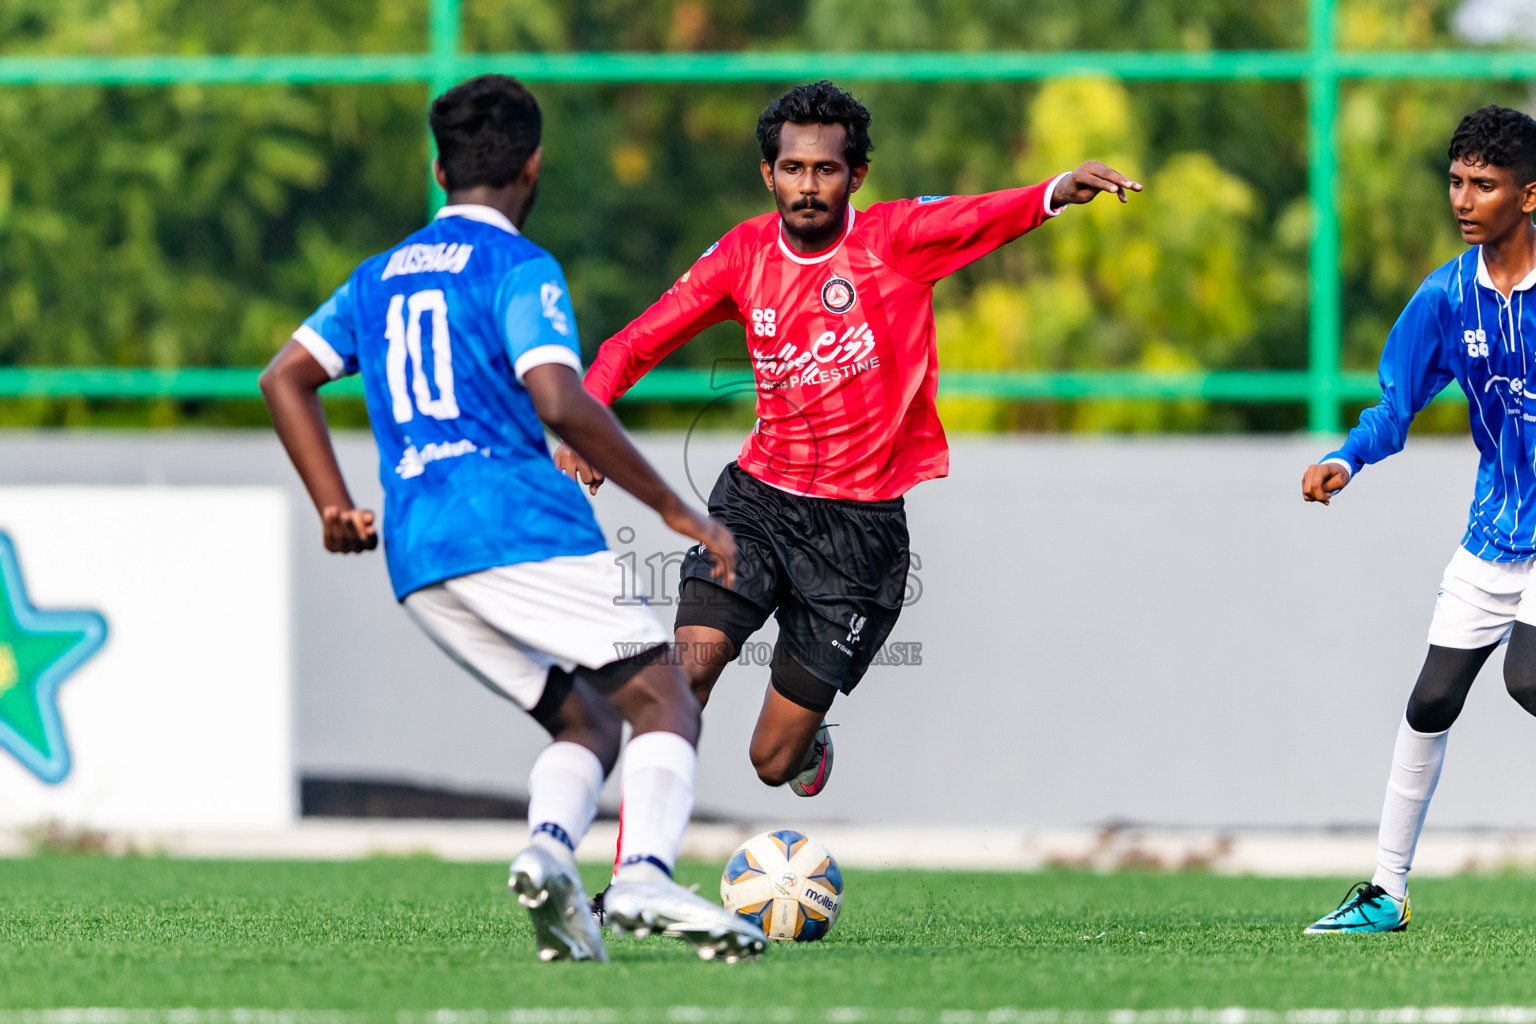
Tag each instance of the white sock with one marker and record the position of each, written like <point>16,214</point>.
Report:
<point>658,801</point>
<point>562,796</point>
<point>1416,761</point>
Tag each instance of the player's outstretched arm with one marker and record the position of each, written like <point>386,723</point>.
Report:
<point>1089,180</point>
<point>291,387</point>
<point>1321,482</point>
<point>592,432</point>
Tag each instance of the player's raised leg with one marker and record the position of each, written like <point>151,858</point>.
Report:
<point>714,622</point>
<point>791,742</point>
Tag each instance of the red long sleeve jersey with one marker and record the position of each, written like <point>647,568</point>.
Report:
<point>841,341</point>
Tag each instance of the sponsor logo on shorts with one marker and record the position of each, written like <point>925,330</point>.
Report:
<point>838,295</point>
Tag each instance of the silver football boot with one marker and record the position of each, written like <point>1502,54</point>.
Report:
<point>551,891</point>
<point>665,908</point>
<point>818,765</point>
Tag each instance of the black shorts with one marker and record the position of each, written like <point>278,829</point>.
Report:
<point>832,572</point>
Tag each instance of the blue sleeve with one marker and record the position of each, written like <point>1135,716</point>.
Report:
<point>1415,366</point>
<point>533,305</point>
<point>330,333</point>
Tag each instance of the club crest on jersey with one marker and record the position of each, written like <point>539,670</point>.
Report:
<point>838,296</point>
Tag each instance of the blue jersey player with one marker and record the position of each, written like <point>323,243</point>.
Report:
<point>1468,322</point>
<point>466,342</point>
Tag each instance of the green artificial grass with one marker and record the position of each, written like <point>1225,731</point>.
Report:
<point>388,939</point>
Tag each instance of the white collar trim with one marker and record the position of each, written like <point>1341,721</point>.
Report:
<point>1484,279</point>
<point>483,214</point>
<point>809,260</point>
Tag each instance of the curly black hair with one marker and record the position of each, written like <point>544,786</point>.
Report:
<point>1500,137</point>
<point>486,129</point>
<point>817,103</point>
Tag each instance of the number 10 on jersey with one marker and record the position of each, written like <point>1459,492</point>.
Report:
<point>402,327</point>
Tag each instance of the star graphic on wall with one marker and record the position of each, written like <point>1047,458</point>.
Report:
<point>38,651</point>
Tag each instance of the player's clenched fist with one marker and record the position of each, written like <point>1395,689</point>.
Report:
<point>578,468</point>
<point>1322,482</point>
<point>348,530</point>
<point>1088,181</point>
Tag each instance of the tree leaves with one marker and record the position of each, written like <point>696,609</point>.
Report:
<point>195,225</point>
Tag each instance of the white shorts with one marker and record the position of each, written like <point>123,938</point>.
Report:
<point>1479,602</point>
<point>510,625</point>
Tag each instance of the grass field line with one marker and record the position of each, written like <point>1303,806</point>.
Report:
<point>782,1015</point>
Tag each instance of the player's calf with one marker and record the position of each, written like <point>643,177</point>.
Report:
<point>787,727</point>
<point>572,712</point>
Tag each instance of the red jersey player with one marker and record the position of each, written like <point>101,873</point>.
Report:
<point>838,308</point>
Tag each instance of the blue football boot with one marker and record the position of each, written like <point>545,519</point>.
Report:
<point>1367,907</point>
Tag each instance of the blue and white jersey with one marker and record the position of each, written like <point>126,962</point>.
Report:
<point>1458,327</point>
<point>443,327</point>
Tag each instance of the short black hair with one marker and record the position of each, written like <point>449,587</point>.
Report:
<point>486,129</point>
<point>817,103</point>
<point>1500,137</point>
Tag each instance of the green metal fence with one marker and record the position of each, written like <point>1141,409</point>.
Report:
<point>1324,386</point>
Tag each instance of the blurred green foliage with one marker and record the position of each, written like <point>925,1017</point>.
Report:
<point>195,225</point>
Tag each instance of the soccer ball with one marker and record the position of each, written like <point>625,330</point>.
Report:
<point>786,883</point>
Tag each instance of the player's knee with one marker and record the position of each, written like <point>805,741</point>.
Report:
<point>1432,713</point>
<point>773,766</point>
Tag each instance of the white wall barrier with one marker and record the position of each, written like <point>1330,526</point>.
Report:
<point>145,658</point>
<point>1153,630</point>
